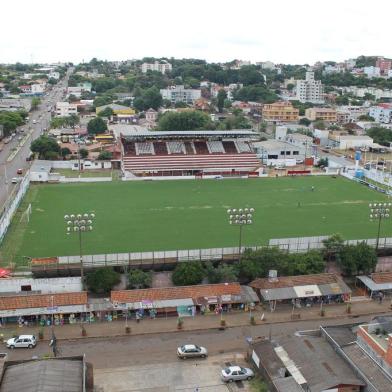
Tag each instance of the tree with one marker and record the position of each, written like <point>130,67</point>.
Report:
<point>366,117</point>
<point>138,279</point>
<point>221,99</point>
<point>83,153</point>
<point>221,273</point>
<point>305,121</point>
<point>311,262</point>
<point>96,125</point>
<point>149,98</point>
<point>290,86</point>
<point>319,124</point>
<point>333,245</point>
<point>184,121</point>
<point>57,122</point>
<point>323,162</point>
<point>380,135</point>
<point>105,156</point>
<point>186,274</point>
<point>249,74</point>
<point>107,112</point>
<point>46,147</point>
<point>35,102</point>
<point>65,151</point>
<point>72,120</point>
<point>102,100</point>
<point>355,259</point>
<point>73,98</point>
<point>10,121</point>
<point>102,280</point>
<point>52,81</point>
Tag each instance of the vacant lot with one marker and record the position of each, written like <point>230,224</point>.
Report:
<point>168,215</point>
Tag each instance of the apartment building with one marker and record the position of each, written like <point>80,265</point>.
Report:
<point>161,67</point>
<point>310,90</point>
<point>384,65</point>
<point>325,114</point>
<point>372,72</point>
<point>180,94</point>
<point>280,112</point>
<point>382,113</point>
<point>64,109</point>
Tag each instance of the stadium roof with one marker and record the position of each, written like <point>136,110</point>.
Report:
<point>209,133</point>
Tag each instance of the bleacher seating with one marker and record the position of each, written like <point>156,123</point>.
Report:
<point>144,148</point>
<point>242,146</point>
<point>160,148</point>
<point>201,148</point>
<point>215,147</point>
<point>189,148</point>
<point>210,162</point>
<point>176,147</point>
<point>229,147</point>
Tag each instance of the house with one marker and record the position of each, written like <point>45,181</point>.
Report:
<point>324,114</point>
<point>64,109</point>
<point>117,109</point>
<point>282,111</point>
<point>180,94</point>
<point>151,115</point>
<point>13,105</point>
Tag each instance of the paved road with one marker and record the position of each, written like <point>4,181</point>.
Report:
<point>42,118</point>
<point>161,348</point>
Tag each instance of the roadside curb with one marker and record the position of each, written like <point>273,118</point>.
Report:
<point>174,330</point>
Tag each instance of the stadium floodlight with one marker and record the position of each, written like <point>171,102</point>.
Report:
<point>79,223</point>
<point>240,217</point>
<point>379,211</point>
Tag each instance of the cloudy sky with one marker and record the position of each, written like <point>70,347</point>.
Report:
<point>287,31</point>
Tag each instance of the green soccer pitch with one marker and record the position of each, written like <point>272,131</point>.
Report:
<point>188,214</point>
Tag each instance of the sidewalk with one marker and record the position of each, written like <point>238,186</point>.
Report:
<point>282,314</point>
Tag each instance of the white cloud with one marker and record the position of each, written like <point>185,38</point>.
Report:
<point>301,31</point>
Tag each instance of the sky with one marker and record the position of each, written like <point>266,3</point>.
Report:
<point>282,31</point>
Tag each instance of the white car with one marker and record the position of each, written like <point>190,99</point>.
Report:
<point>23,341</point>
<point>236,373</point>
<point>191,350</point>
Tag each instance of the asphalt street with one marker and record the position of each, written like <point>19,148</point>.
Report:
<point>42,117</point>
<point>161,348</point>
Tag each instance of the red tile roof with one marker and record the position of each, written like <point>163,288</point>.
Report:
<point>291,281</point>
<point>159,294</point>
<point>42,300</point>
<point>382,277</point>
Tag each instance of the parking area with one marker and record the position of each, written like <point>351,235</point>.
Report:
<point>180,376</point>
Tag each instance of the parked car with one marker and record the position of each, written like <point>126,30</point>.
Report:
<point>22,341</point>
<point>15,180</point>
<point>19,171</point>
<point>191,350</point>
<point>236,373</point>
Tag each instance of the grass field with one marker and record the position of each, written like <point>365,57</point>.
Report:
<point>167,215</point>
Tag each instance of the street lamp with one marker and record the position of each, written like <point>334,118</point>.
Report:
<point>79,223</point>
<point>379,211</point>
<point>240,217</point>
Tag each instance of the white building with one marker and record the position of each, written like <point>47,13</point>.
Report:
<point>299,140</point>
<point>381,113</point>
<point>310,90</point>
<point>180,94</point>
<point>353,141</point>
<point>372,72</point>
<point>351,113</point>
<point>64,109</point>
<point>277,152</point>
<point>38,88</point>
<point>161,67</point>
<point>41,286</point>
<point>331,69</point>
<point>54,75</point>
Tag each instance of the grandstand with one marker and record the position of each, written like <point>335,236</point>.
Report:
<point>189,153</point>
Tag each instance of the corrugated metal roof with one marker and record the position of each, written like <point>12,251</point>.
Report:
<point>249,294</point>
<point>332,289</point>
<point>310,290</point>
<point>371,285</point>
<point>278,294</point>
